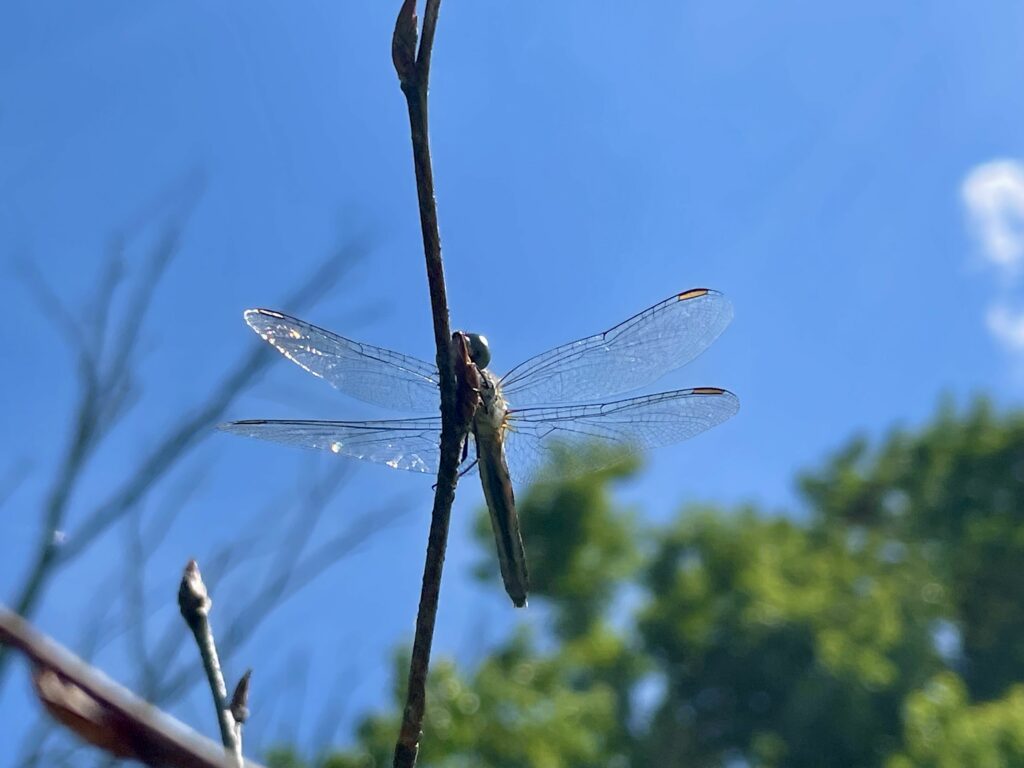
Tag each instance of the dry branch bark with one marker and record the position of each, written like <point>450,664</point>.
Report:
<point>102,712</point>
<point>413,68</point>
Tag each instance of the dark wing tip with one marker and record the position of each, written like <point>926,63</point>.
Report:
<point>711,391</point>
<point>251,314</point>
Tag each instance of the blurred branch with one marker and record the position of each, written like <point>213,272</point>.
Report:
<point>413,68</point>
<point>12,480</point>
<point>277,590</point>
<point>134,590</point>
<point>192,428</point>
<point>106,359</point>
<point>284,527</point>
<point>103,713</point>
<point>35,743</point>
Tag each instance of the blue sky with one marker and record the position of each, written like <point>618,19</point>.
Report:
<point>850,175</point>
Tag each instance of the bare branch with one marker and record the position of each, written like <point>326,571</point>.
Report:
<point>275,592</point>
<point>51,306</point>
<point>195,605</point>
<point>12,480</point>
<point>94,416</point>
<point>415,81</point>
<point>35,742</point>
<point>326,726</point>
<point>192,428</point>
<point>134,586</point>
<point>102,712</point>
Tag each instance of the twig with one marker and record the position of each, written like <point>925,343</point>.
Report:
<point>102,712</point>
<point>240,706</point>
<point>92,421</point>
<point>134,581</point>
<point>276,591</point>
<point>195,605</point>
<point>413,68</point>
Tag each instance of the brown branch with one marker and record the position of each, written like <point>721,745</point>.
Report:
<point>286,576</point>
<point>413,70</point>
<point>103,713</point>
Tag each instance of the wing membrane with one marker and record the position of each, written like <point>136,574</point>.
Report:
<point>639,423</point>
<point>633,354</point>
<point>412,444</point>
<point>368,373</point>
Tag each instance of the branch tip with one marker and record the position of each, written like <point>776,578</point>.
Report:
<point>193,599</point>
<point>403,43</point>
<point>240,699</point>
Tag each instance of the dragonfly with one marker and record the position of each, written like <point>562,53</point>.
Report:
<point>558,398</point>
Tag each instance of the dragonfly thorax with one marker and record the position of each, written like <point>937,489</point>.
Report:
<point>490,415</point>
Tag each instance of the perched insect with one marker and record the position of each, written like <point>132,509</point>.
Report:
<point>510,440</point>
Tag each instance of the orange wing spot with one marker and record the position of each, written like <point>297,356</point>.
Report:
<point>708,391</point>
<point>693,293</point>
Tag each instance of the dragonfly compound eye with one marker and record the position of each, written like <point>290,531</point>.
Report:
<point>479,350</point>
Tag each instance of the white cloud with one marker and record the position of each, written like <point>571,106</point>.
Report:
<point>1007,325</point>
<point>994,196</point>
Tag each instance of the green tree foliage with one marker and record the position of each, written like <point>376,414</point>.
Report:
<point>956,491</point>
<point>787,645</point>
<point>581,544</point>
<point>944,730</point>
<point>881,628</point>
<point>520,709</point>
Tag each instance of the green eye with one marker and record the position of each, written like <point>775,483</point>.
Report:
<point>479,350</point>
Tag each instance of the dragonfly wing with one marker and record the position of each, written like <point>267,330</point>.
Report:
<point>371,374</point>
<point>412,444</point>
<point>639,423</point>
<point>631,355</point>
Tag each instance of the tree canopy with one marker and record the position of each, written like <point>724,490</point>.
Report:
<point>879,626</point>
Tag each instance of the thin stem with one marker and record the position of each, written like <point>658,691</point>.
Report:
<point>195,605</point>
<point>89,429</point>
<point>414,74</point>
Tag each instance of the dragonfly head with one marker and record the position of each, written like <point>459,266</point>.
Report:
<point>479,350</point>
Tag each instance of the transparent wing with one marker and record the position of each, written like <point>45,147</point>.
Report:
<point>412,444</point>
<point>639,423</point>
<point>371,374</point>
<point>630,355</point>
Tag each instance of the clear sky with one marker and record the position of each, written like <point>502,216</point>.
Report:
<point>849,174</point>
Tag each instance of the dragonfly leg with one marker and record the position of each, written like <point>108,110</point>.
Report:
<point>462,473</point>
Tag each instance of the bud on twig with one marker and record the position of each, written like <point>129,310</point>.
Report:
<point>240,699</point>
<point>403,43</point>
<point>193,599</point>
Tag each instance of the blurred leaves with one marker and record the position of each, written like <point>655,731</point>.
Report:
<point>580,545</point>
<point>519,708</point>
<point>881,628</point>
<point>944,730</point>
<point>955,492</point>
<point>776,637</point>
